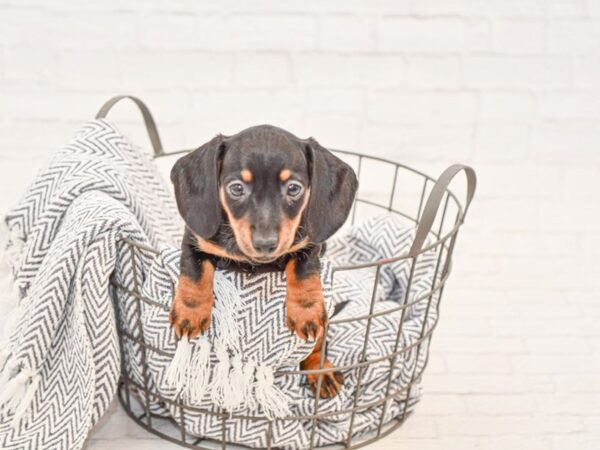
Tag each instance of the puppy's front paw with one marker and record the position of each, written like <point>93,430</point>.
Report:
<point>331,384</point>
<point>305,313</point>
<point>192,309</point>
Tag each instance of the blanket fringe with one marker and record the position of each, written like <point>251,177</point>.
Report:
<point>9,371</point>
<point>220,380</point>
<point>13,392</point>
<point>27,399</point>
<point>177,371</point>
<point>227,328</point>
<point>199,375</point>
<point>11,250</point>
<point>234,394</point>
<point>11,245</point>
<point>248,382</point>
<point>274,402</point>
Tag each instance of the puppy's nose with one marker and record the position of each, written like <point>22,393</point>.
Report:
<point>264,243</point>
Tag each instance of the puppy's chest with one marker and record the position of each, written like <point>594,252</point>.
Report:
<point>239,266</point>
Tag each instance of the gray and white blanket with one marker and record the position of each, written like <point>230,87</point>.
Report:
<point>61,359</point>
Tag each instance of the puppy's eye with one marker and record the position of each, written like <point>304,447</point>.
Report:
<point>236,189</point>
<point>294,190</point>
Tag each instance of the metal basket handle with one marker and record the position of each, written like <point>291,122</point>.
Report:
<point>148,120</point>
<point>435,198</point>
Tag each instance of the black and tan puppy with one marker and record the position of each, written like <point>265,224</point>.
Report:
<point>261,199</point>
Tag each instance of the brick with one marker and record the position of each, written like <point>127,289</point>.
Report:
<point>578,382</point>
<point>334,101</point>
<point>576,404</point>
<point>526,181</point>
<point>568,8</point>
<point>85,70</point>
<point>510,8</point>
<point>230,111</point>
<point>497,142</point>
<point>417,143</point>
<point>501,405</point>
<point>579,441</point>
<point>235,32</point>
<point>485,384</point>
<point>515,424</point>
<point>346,33</point>
<point>586,71</point>
<point>432,34</point>
<point>570,105</point>
<point>441,405</point>
<point>333,70</point>
<point>510,106</point>
<point>582,182</point>
<point>492,71</point>
<point>574,36</point>
<point>475,345</point>
<point>569,141</point>
<point>88,30</point>
<point>490,364</point>
<point>334,130</point>
<point>425,71</point>
<point>439,7</point>
<point>29,63</point>
<point>263,70</point>
<point>398,441</point>
<point>533,442</point>
<point>168,70</point>
<point>409,107</point>
<point>519,36</point>
<point>543,364</point>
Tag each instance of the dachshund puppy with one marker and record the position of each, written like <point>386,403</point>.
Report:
<point>262,199</point>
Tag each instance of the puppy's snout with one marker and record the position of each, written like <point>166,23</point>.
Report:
<point>264,242</point>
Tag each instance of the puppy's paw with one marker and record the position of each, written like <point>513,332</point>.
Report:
<point>305,316</point>
<point>331,383</point>
<point>191,311</point>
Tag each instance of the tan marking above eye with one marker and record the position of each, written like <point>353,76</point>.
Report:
<point>285,175</point>
<point>246,176</point>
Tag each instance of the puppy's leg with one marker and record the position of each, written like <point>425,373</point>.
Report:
<point>306,316</point>
<point>192,306</point>
<point>332,381</point>
<point>304,304</point>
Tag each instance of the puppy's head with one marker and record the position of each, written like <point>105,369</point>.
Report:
<point>277,192</point>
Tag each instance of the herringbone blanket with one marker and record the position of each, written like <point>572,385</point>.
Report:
<point>61,359</point>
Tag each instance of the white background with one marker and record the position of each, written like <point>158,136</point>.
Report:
<point>511,87</point>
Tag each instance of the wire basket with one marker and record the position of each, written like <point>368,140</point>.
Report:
<point>385,186</point>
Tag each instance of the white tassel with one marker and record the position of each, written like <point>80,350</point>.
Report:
<point>4,355</point>
<point>220,376</point>
<point>13,390</point>
<point>274,402</point>
<point>176,375</point>
<point>12,403</point>
<point>248,383</point>
<point>234,395</point>
<point>199,373</point>
<point>10,370</point>
<point>27,399</point>
<point>227,328</point>
<point>11,245</point>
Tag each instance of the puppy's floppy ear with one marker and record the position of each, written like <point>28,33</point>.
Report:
<point>195,178</point>
<point>333,185</point>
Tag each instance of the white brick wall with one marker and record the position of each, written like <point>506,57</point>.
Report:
<point>511,87</point>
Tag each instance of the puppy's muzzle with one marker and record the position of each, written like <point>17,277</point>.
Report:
<point>265,243</point>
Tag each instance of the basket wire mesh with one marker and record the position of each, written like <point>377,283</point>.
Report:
<point>437,215</point>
